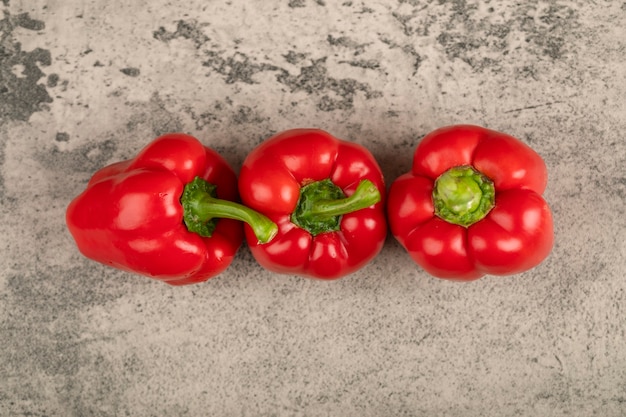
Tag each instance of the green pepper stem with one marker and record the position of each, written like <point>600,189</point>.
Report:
<point>463,196</point>
<point>322,204</point>
<point>365,195</point>
<point>201,210</point>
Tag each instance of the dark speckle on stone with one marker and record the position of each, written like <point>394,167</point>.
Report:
<point>22,94</point>
<point>482,39</point>
<point>246,115</point>
<point>302,3</point>
<point>62,137</point>
<point>53,80</point>
<point>186,29</point>
<point>130,71</point>
<point>363,63</point>
<point>294,58</point>
<point>336,94</point>
<point>346,42</point>
<point>24,20</point>
<point>236,68</point>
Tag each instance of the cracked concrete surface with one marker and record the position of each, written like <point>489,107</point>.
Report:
<point>84,84</point>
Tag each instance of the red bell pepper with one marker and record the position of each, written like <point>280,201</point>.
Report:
<point>471,205</point>
<point>325,194</point>
<point>169,213</point>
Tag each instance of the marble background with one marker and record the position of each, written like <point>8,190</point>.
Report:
<point>86,83</point>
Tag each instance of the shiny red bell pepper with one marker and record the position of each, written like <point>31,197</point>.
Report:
<point>471,205</point>
<point>327,197</point>
<point>169,213</point>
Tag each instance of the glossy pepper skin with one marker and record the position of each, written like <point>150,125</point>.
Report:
<point>130,215</point>
<point>472,205</point>
<point>271,181</point>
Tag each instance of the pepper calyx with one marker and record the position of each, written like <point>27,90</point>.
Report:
<point>463,196</point>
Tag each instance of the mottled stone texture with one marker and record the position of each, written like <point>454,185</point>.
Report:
<point>86,83</point>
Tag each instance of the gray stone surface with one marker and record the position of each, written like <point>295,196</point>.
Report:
<point>86,83</point>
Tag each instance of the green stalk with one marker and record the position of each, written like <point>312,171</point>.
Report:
<point>322,203</point>
<point>201,210</point>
